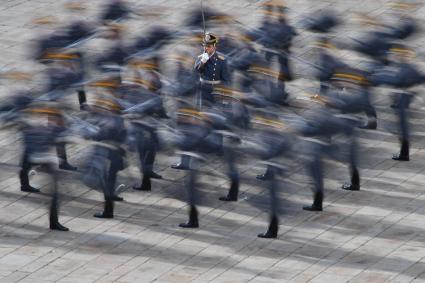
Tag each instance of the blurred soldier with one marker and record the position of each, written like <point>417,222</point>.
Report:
<point>277,38</point>
<point>74,61</point>
<point>195,136</point>
<point>65,42</point>
<point>39,138</point>
<point>274,141</point>
<point>321,21</point>
<point>267,82</point>
<point>114,10</point>
<point>377,43</point>
<point>115,57</point>
<point>402,75</point>
<point>107,150</point>
<point>141,98</point>
<point>186,80</point>
<point>318,129</point>
<point>228,115</point>
<point>345,88</point>
<point>152,41</point>
<point>62,76</point>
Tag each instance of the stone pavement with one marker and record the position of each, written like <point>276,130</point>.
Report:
<point>376,234</point>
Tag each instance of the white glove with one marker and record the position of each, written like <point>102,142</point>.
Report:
<point>205,57</point>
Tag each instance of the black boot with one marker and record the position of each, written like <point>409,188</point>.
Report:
<point>404,152</point>
<point>82,99</point>
<point>317,203</point>
<point>59,227</point>
<point>233,191</point>
<point>25,182</point>
<point>180,166</point>
<point>272,230</point>
<point>108,211</point>
<point>29,189</point>
<point>355,182</point>
<point>117,198</point>
<point>371,125</point>
<point>53,218</point>
<point>183,165</point>
<point>193,219</point>
<point>146,184</point>
<point>264,177</point>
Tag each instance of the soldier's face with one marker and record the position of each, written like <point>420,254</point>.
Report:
<point>209,48</point>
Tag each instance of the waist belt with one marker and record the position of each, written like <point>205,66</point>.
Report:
<point>209,82</point>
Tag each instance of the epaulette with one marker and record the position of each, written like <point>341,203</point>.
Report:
<point>220,56</point>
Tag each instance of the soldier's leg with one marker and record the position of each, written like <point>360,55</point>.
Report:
<point>316,172</point>
<point>264,176</point>
<point>146,178</point>
<point>23,175</point>
<point>192,197</point>
<point>354,185</point>
<point>109,190</point>
<point>82,99</point>
<point>285,74</point>
<point>141,149</point>
<point>205,96</point>
<point>63,159</point>
<point>273,228</point>
<point>150,150</point>
<point>54,204</point>
<point>229,155</point>
<point>183,164</point>
<point>372,123</point>
<point>403,155</point>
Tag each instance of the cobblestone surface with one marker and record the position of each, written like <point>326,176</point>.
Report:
<point>374,235</point>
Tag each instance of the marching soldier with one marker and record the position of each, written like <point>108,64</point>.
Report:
<point>107,150</point>
<point>402,75</point>
<point>275,141</point>
<point>116,55</point>
<point>142,98</point>
<point>277,38</point>
<point>39,139</point>
<point>195,137</point>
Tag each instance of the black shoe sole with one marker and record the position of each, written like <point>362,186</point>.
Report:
<point>309,208</point>
<point>60,228</point>
<point>349,187</point>
<point>227,199</point>
<point>30,191</point>
<point>262,178</point>
<point>179,167</point>
<point>397,158</point>
<point>267,236</point>
<point>187,225</point>
<point>101,215</point>
<point>141,189</point>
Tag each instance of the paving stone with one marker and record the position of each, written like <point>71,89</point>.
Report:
<point>373,235</point>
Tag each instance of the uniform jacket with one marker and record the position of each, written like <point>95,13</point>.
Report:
<point>215,69</point>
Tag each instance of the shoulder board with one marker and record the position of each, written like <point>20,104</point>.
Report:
<point>220,56</point>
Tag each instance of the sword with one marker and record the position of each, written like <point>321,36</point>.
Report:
<point>203,22</point>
